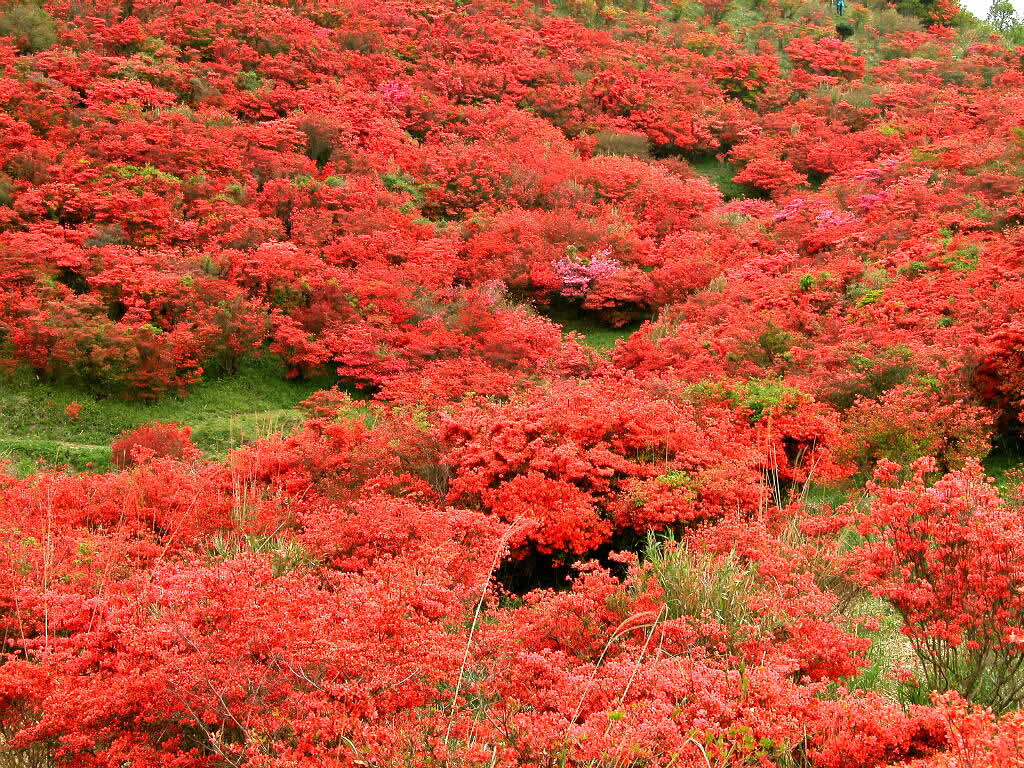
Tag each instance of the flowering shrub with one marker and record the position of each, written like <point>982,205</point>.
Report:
<point>577,275</point>
<point>908,422</point>
<point>827,56</point>
<point>1000,376</point>
<point>977,737</point>
<point>588,459</point>
<point>948,558</point>
<point>154,440</point>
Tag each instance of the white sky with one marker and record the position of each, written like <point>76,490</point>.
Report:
<point>980,7</point>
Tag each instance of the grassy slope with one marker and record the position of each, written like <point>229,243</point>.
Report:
<point>222,412</point>
<point>1000,465</point>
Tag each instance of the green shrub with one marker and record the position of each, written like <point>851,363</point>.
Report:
<point>403,182</point>
<point>771,345</point>
<point>892,22</point>
<point>6,190</point>
<point>874,375</point>
<point>249,80</point>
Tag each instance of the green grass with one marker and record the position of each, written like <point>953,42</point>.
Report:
<point>815,496</point>
<point>598,337</point>
<point>223,413</point>
<point>699,584</point>
<point>595,335</point>
<point>720,174</point>
<point>999,462</point>
<point>889,650</point>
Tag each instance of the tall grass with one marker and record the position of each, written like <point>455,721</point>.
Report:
<point>705,586</point>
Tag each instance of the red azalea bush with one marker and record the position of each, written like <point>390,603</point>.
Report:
<point>948,558</point>
<point>1000,374</point>
<point>909,422</point>
<point>585,460</point>
<point>677,659</point>
<point>317,529</point>
<point>700,648</point>
<point>827,56</point>
<point>154,440</point>
<point>976,737</point>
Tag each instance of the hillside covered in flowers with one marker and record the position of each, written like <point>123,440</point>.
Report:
<point>658,373</point>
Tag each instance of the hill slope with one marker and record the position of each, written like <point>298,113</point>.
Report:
<point>644,358</point>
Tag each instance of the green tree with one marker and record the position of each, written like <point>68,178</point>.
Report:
<point>1003,16</point>
<point>32,28</point>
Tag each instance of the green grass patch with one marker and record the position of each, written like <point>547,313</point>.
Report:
<point>223,412</point>
<point>598,337</point>
<point>818,495</point>
<point>890,650</point>
<point>594,334</point>
<point>720,173</point>
<point>1000,462</point>
<point>27,454</point>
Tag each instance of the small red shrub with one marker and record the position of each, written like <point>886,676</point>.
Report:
<point>154,440</point>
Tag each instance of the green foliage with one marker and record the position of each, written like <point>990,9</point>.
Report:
<point>964,259</point>
<point>248,80</point>
<point>808,281</point>
<point>771,345</point>
<point>845,29</point>
<point>760,398</point>
<point>889,21</point>
<point>921,9</point>
<point>765,397</point>
<point>142,172</point>
<point>32,28</point>
<point>875,375</point>
<point>870,297</point>
<point>676,478</point>
<point>914,268</point>
<point>889,653</point>
<point>286,554</point>
<point>869,288</point>
<point>320,141</point>
<point>1002,16</point>
<point>6,190</point>
<point>739,746</point>
<point>403,182</point>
